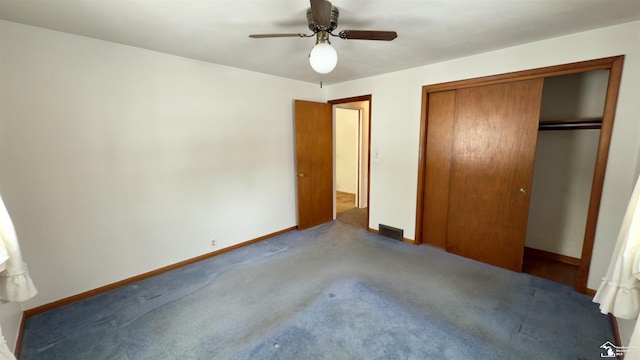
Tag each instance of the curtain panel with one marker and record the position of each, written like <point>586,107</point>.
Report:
<point>15,282</point>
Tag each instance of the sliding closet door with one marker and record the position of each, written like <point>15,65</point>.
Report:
<point>493,148</point>
<point>438,167</point>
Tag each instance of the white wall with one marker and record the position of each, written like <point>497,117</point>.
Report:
<point>10,316</point>
<point>572,96</point>
<point>396,127</point>
<point>115,161</point>
<point>561,189</point>
<point>346,129</point>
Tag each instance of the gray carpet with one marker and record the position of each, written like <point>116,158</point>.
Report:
<point>331,292</point>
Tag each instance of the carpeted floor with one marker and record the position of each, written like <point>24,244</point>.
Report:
<point>331,292</point>
<point>356,217</point>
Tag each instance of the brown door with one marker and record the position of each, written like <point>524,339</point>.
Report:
<point>314,163</point>
<point>438,167</point>
<point>493,149</point>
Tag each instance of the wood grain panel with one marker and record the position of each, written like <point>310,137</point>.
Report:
<point>494,140</point>
<point>438,168</point>
<point>549,269</point>
<point>314,163</point>
<point>424,119</point>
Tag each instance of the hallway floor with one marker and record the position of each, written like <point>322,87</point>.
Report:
<point>348,213</point>
<point>344,201</point>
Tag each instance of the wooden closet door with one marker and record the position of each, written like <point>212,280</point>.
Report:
<point>493,148</point>
<point>438,167</point>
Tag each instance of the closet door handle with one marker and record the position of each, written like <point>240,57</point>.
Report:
<point>523,191</point>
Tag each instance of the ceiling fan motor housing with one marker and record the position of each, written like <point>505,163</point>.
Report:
<point>335,13</point>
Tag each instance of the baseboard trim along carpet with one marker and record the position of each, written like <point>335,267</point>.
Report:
<point>87,294</point>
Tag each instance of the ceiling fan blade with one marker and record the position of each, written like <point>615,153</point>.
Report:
<point>368,35</point>
<point>264,36</point>
<point>321,10</point>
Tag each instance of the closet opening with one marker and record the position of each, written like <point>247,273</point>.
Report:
<point>567,145</point>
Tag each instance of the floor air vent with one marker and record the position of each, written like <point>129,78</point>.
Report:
<point>390,232</point>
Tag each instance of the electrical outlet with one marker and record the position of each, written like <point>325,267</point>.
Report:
<point>213,242</point>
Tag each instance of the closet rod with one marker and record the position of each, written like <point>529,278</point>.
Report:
<point>570,126</point>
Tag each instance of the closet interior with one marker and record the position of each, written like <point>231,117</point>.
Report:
<point>512,166</point>
<point>570,120</point>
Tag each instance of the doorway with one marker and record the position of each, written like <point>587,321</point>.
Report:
<point>351,119</point>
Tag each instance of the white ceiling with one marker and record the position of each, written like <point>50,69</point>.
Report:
<point>217,31</point>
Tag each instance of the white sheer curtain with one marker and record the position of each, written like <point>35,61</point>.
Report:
<point>5,353</point>
<point>15,283</point>
<point>619,292</point>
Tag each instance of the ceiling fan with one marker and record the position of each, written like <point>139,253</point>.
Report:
<point>322,17</point>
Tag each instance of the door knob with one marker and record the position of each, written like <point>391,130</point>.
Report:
<point>301,175</point>
<point>523,191</point>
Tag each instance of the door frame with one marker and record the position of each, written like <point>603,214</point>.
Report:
<point>614,64</point>
<point>350,100</point>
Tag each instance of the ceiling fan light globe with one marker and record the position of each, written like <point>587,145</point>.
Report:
<point>323,58</point>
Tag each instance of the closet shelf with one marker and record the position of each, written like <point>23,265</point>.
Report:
<point>571,124</point>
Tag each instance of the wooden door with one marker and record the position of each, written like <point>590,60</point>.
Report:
<point>493,149</point>
<point>314,163</point>
<point>438,167</point>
